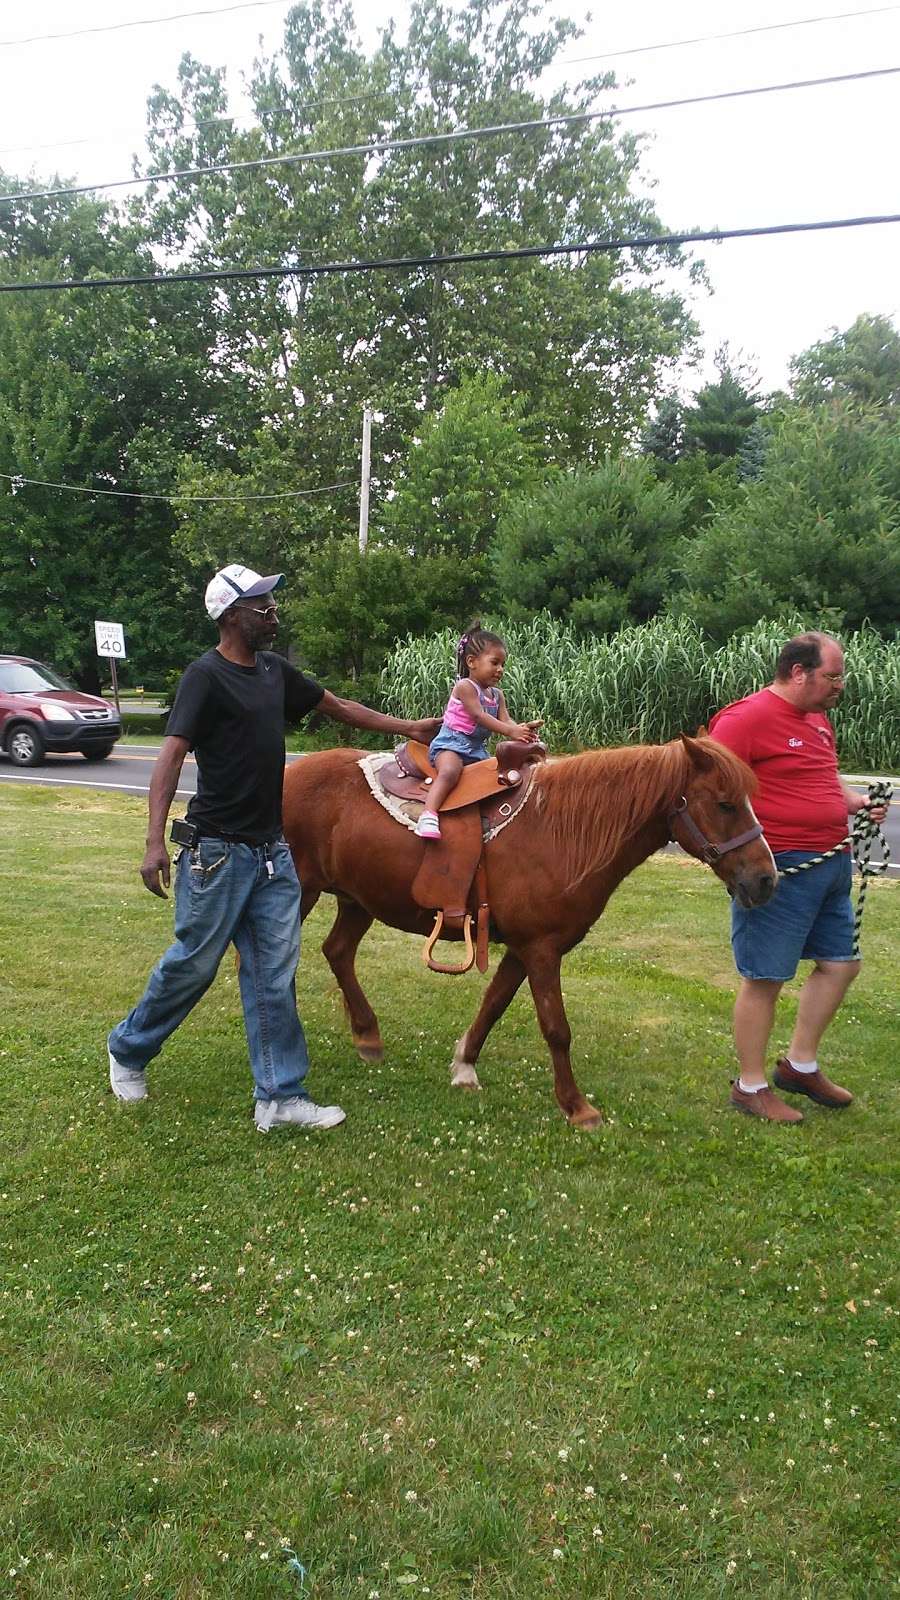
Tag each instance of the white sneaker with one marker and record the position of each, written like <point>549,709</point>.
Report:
<point>298,1112</point>
<point>428,825</point>
<point>126,1084</point>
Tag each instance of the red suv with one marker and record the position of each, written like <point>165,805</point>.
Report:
<point>41,712</point>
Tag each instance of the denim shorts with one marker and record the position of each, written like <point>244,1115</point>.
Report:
<point>809,918</point>
<point>464,745</point>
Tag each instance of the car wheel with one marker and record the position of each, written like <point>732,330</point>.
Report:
<point>25,747</point>
<point>99,752</point>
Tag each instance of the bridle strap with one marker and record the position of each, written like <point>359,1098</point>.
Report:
<point>711,853</point>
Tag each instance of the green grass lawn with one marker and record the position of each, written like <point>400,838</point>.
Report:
<point>453,1348</point>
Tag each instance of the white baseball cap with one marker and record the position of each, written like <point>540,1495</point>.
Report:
<point>237,583</point>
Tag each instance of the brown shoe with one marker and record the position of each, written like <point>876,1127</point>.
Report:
<point>763,1104</point>
<point>815,1084</point>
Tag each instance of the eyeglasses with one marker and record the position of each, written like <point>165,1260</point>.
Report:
<point>261,611</point>
<point>835,677</point>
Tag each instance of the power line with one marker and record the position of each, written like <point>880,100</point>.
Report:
<point>194,127</point>
<point>458,136</point>
<point>737,33</point>
<point>140,22</point>
<point>654,241</point>
<point>175,499</point>
<point>258,5</point>
<point>379,94</point>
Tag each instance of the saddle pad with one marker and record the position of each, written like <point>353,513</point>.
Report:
<point>503,806</point>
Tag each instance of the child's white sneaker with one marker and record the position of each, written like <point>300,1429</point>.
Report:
<point>429,825</point>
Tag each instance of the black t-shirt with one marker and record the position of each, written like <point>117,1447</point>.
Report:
<point>233,718</point>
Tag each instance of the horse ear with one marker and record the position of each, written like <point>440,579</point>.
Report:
<point>703,731</point>
<point>700,759</point>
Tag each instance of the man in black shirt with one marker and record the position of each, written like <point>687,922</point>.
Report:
<point>235,878</point>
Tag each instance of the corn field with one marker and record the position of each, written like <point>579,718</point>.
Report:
<point>647,684</point>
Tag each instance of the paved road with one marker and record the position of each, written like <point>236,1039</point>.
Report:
<point>129,770</point>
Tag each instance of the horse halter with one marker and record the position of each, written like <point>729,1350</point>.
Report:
<point>710,853</point>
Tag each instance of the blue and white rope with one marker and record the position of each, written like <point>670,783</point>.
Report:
<point>861,838</point>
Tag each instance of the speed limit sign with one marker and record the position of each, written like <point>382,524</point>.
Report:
<point>110,639</point>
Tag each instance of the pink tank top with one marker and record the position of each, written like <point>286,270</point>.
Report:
<point>460,720</point>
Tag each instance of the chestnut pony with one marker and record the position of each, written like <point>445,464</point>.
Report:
<point>589,820</point>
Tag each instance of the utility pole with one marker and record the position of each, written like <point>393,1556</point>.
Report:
<point>364,480</point>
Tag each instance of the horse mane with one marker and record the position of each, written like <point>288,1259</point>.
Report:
<point>595,802</point>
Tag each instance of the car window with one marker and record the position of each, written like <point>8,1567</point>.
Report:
<point>20,677</point>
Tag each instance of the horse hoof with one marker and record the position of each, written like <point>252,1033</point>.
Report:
<point>464,1077</point>
<point>462,1072</point>
<point>586,1120</point>
<point>369,1052</point>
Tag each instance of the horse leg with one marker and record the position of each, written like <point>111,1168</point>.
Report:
<point>542,966</point>
<point>498,994</point>
<point>339,949</point>
<point>309,898</point>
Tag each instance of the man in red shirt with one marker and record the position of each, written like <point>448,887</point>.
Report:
<point>782,732</point>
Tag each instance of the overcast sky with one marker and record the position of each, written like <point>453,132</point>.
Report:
<point>807,155</point>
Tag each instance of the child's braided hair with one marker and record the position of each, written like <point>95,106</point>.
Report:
<point>473,642</point>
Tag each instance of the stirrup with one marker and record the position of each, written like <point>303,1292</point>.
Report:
<point>441,966</point>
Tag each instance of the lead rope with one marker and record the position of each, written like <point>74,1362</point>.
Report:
<point>861,838</point>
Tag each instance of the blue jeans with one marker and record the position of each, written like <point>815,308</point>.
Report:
<point>223,893</point>
<point>809,918</point>
<point>468,746</point>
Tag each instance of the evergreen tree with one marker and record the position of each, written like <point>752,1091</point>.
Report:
<point>663,436</point>
<point>752,453</point>
<point>597,548</point>
<point>817,531</point>
<point>723,412</point>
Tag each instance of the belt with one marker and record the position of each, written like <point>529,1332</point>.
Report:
<point>240,838</point>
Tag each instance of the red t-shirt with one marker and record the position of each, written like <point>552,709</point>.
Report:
<point>800,802</point>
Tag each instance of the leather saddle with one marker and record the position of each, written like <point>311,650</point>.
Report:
<point>452,878</point>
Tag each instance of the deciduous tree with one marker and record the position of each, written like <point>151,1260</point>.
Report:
<point>97,390</point>
<point>862,364</point>
<point>587,342</point>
